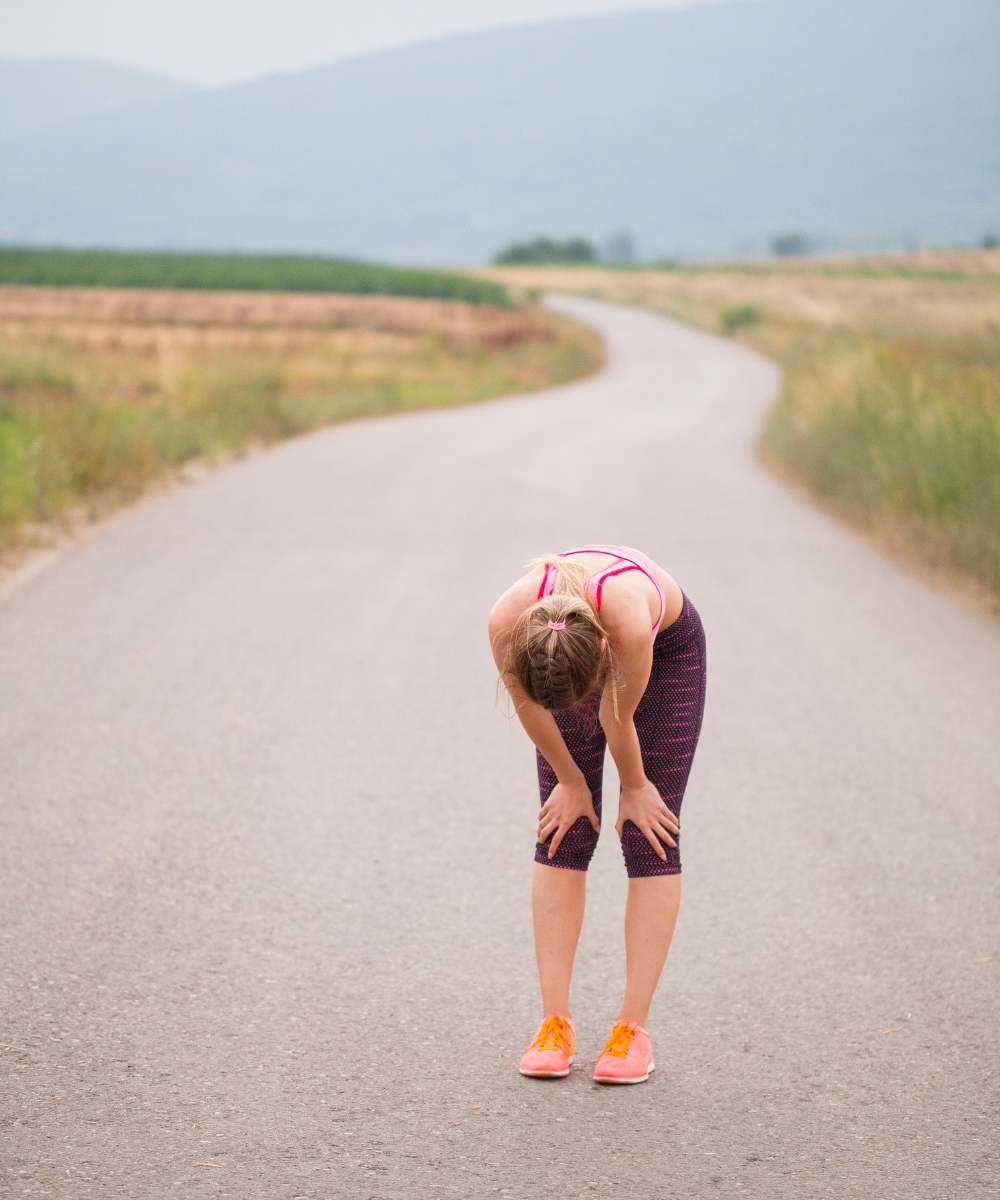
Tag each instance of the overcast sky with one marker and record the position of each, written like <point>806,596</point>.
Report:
<point>223,41</point>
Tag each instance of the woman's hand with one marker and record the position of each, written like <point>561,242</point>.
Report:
<point>565,804</point>
<point>645,808</point>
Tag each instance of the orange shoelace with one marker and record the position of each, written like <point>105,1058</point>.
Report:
<point>554,1033</point>
<point>618,1043</point>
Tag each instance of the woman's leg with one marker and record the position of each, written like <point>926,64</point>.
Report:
<point>557,902</point>
<point>559,884</point>
<point>650,918</point>
<point>668,723</point>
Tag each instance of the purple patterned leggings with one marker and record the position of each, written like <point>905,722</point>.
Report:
<point>667,721</point>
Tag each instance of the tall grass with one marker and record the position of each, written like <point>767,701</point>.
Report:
<point>902,437</point>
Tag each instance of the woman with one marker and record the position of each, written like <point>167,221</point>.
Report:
<point>598,646</point>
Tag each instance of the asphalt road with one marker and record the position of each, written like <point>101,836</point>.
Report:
<point>266,839</point>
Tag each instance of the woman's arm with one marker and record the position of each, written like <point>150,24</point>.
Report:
<point>570,798</point>
<point>623,742</point>
<point>640,801</point>
<point>538,722</point>
<point>541,727</point>
<point>634,651</point>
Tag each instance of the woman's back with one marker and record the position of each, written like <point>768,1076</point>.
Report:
<point>622,559</point>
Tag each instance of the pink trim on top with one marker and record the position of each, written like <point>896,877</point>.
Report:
<point>545,578</point>
<point>606,574</point>
<point>636,559</point>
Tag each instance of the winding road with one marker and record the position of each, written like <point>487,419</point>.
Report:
<point>266,836</point>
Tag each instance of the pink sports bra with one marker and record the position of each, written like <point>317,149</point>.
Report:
<point>633,559</point>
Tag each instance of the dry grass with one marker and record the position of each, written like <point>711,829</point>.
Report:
<point>954,261</point>
<point>103,391</point>
<point>886,305</point>
<point>137,314</point>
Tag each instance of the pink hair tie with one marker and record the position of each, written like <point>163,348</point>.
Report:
<point>557,624</point>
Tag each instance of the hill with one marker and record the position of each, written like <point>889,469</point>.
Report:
<point>35,93</point>
<point>703,131</point>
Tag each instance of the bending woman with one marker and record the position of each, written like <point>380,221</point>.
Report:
<point>599,646</point>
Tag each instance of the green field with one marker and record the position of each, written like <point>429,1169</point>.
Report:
<point>60,267</point>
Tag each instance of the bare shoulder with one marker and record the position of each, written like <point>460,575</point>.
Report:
<point>673,596</point>
<point>506,609</point>
<point>511,602</point>
<point>631,603</point>
<point>625,615</point>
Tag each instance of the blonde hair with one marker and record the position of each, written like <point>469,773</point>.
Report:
<point>559,668</point>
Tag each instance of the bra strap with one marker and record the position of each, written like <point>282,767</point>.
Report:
<point>548,576</point>
<point>614,569</point>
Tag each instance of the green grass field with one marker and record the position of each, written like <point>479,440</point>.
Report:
<point>59,266</point>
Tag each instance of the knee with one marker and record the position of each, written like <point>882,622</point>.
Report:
<point>575,850</point>
<point>640,857</point>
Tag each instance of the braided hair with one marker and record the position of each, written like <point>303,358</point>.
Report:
<point>564,666</point>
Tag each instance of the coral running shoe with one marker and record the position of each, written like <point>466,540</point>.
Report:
<point>551,1051</point>
<point>627,1056</point>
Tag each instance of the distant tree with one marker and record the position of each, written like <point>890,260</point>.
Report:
<point>790,243</point>
<point>620,248</point>
<point>989,242</point>
<point>548,250</point>
<point>580,250</point>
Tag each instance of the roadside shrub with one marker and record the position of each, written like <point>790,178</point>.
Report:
<point>740,316</point>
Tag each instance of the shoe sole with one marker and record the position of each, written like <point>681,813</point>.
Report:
<point>624,1079</point>
<point>546,1074</point>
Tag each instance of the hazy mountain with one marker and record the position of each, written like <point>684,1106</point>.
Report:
<point>701,130</point>
<point>38,92</point>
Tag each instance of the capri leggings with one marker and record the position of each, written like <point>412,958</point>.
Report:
<point>667,720</point>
